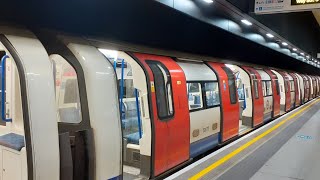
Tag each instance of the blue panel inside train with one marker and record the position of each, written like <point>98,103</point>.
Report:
<point>130,122</point>
<point>204,145</point>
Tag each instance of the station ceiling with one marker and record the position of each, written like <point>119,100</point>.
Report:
<point>146,23</point>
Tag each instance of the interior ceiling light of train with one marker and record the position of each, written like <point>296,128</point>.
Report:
<point>236,22</point>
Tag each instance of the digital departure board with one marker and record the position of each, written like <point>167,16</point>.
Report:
<point>304,2</point>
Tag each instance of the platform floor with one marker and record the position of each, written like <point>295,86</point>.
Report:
<point>288,148</point>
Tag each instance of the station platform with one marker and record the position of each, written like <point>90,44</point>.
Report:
<point>285,149</point>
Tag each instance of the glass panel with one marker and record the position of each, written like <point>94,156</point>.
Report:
<point>255,88</point>
<point>292,86</point>
<point>277,87</point>
<point>67,91</point>
<point>163,89</point>
<point>232,91</point>
<point>212,94</point>
<point>232,85</point>
<point>264,90</point>
<point>269,88</point>
<point>194,96</point>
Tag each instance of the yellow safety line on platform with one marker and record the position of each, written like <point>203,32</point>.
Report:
<point>246,145</point>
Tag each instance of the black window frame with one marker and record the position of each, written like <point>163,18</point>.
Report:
<point>266,82</point>
<point>232,85</point>
<point>255,88</point>
<point>293,85</point>
<point>203,95</point>
<point>168,116</point>
<point>277,86</point>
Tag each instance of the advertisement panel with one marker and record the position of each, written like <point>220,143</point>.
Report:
<point>283,6</point>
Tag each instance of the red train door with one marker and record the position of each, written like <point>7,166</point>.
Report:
<point>297,98</point>
<point>170,114</point>
<point>230,110</point>
<point>276,93</point>
<point>287,90</point>
<point>257,97</point>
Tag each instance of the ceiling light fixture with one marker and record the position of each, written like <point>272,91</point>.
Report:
<point>302,54</point>
<point>208,1</point>
<point>270,35</point>
<point>284,43</point>
<point>294,49</point>
<point>246,22</point>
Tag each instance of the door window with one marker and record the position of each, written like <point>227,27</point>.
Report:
<point>277,86</point>
<point>232,85</point>
<point>163,89</point>
<point>194,96</point>
<point>268,88</point>
<point>212,94</point>
<point>255,89</point>
<point>67,91</point>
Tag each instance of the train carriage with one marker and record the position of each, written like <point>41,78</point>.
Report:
<point>292,87</point>
<point>250,96</point>
<point>311,89</point>
<point>285,100</point>
<point>230,109</point>
<point>29,144</point>
<point>204,106</point>
<point>297,89</point>
<point>276,93</point>
<point>267,93</point>
<point>307,88</point>
<point>318,89</point>
<point>302,87</point>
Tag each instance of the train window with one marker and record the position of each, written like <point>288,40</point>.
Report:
<point>286,86</point>
<point>277,87</point>
<point>232,85</point>
<point>292,86</point>
<point>255,88</point>
<point>67,91</point>
<point>163,90</point>
<point>268,88</point>
<point>194,96</point>
<point>264,88</point>
<point>212,94</point>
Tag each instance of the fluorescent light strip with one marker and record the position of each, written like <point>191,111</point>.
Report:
<point>294,49</point>
<point>284,43</point>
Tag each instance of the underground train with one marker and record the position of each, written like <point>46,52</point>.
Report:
<point>79,108</point>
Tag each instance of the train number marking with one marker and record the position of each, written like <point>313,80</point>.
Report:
<point>206,129</point>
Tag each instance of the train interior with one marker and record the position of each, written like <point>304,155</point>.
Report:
<point>67,91</point>
<point>12,140</point>
<point>243,86</point>
<point>136,127</point>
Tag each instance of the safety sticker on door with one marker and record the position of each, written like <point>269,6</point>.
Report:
<point>152,86</point>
